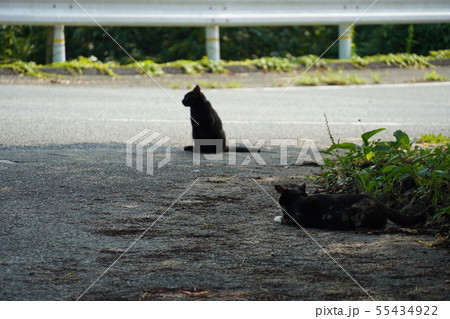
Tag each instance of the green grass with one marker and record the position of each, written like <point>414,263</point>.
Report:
<point>273,64</point>
<point>234,85</point>
<point>402,60</point>
<point>434,139</point>
<point>268,64</point>
<point>308,79</point>
<point>439,54</point>
<point>76,66</point>
<point>200,66</point>
<point>25,68</point>
<point>338,78</point>
<point>216,85</point>
<point>432,76</point>
<point>189,67</point>
<point>376,78</point>
<point>329,78</point>
<point>208,85</point>
<point>174,86</point>
<point>148,67</point>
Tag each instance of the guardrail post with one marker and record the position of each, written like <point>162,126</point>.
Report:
<point>59,45</point>
<point>213,43</point>
<point>49,45</point>
<point>345,41</point>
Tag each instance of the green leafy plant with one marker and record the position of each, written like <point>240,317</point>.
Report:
<point>21,42</point>
<point>269,64</point>
<point>440,54</point>
<point>234,85</point>
<point>339,78</point>
<point>274,64</point>
<point>309,60</point>
<point>308,79</point>
<point>148,67</point>
<point>189,67</point>
<point>410,178</point>
<point>432,76</point>
<point>76,66</point>
<point>25,68</point>
<point>213,66</point>
<point>402,60</point>
<point>376,78</point>
<point>329,78</point>
<point>433,138</point>
<point>216,85</point>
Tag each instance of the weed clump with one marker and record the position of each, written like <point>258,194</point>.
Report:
<point>410,178</point>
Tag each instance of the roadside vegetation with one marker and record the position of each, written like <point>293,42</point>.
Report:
<point>323,71</point>
<point>427,139</point>
<point>269,49</point>
<point>208,85</point>
<point>409,176</point>
<point>432,76</point>
<point>329,77</point>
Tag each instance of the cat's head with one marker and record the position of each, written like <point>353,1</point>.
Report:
<point>291,189</point>
<point>291,197</point>
<point>194,97</point>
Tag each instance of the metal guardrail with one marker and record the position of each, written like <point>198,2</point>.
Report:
<point>212,14</point>
<point>222,12</point>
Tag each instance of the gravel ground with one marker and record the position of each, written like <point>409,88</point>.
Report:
<point>76,222</point>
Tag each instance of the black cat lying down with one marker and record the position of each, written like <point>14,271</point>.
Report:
<point>206,123</point>
<point>337,211</point>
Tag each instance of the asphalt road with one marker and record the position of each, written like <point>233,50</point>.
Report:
<point>70,208</point>
<point>61,115</point>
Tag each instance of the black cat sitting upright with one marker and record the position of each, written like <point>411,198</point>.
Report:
<point>206,124</point>
<point>337,211</point>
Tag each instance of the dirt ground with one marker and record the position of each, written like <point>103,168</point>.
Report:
<point>77,223</point>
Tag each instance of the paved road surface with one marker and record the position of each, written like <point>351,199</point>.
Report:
<point>66,115</point>
<point>68,211</point>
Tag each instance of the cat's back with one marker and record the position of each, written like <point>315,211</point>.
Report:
<point>346,211</point>
<point>337,199</point>
<point>202,112</point>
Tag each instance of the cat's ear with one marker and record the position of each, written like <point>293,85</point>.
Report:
<point>303,188</point>
<point>197,89</point>
<point>280,189</point>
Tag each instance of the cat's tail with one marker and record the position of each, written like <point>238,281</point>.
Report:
<point>241,149</point>
<point>403,220</point>
<point>206,149</point>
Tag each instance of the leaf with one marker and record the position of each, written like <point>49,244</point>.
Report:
<point>383,146</point>
<point>443,174</point>
<point>388,168</point>
<point>423,156</point>
<point>402,140</point>
<point>402,169</point>
<point>370,155</point>
<point>444,166</point>
<point>374,184</point>
<point>365,137</point>
<point>343,146</point>
<point>424,172</point>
